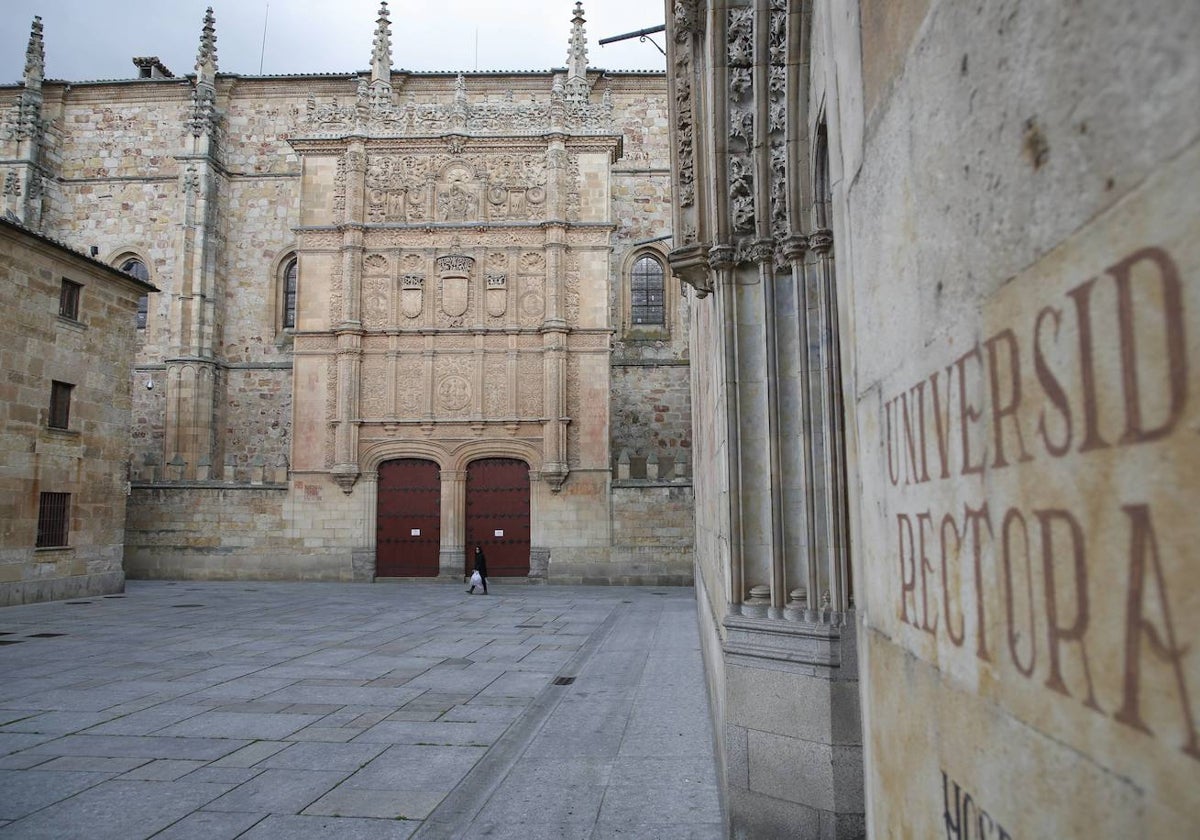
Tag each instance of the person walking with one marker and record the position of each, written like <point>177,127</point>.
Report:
<point>481,568</point>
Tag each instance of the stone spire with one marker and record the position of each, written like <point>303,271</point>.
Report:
<point>35,57</point>
<point>206,56</point>
<point>204,95</point>
<point>577,60</point>
<point>381,50</point>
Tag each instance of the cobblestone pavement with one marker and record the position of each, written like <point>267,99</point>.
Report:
<point>356,711</point>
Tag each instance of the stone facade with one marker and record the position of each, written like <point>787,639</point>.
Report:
<point>941,373</point>
<point>463,247</point>
<point>65,477</point>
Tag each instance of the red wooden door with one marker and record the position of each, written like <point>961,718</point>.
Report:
<point>498,515</point>
<point>408,530</point>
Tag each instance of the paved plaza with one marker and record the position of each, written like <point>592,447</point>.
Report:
<point>206,711</point>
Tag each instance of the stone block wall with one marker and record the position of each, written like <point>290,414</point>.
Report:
<point>87,458</point>
<point>651,417</point>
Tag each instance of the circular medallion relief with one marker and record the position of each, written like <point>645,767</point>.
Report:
<point>454,392</point>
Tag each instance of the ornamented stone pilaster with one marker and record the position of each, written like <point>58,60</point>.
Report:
<point>740,94</point>
<point>777,116</point>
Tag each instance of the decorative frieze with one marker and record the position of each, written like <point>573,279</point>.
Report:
<point>383,117</point>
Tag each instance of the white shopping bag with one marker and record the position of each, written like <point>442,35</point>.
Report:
<point>476,579</point>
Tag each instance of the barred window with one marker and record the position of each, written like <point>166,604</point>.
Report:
<point>646,300</point>
<point>289,294</point>
<point>68,299</point>
<point>138,269</point>
<point>60,405</point>
<point>54,517</point>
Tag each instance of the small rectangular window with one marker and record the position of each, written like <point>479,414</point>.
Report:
<point>60,405</point>
<point>68,299</point>
<point>54,516</point>
<point>142,311</point>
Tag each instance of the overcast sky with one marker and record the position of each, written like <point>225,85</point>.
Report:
<point>95,39</point>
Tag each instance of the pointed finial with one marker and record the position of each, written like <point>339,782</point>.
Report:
<point>35,56</point>
<point>381,48</point>
<point>577,59</point>
<point>206,56</point>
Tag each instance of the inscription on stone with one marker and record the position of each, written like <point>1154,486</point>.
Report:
<point>1046,586</point>
<point>963,817</point>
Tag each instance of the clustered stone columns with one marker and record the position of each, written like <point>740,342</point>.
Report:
<point>753,238</point>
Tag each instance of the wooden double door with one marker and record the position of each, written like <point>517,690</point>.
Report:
<point>409,517</point>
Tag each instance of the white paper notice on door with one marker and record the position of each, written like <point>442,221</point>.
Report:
<point>415,532</point>
<point>497,533</point>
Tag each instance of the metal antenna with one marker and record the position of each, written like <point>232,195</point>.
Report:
<point>263,52</point>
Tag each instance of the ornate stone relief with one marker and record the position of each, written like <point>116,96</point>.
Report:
<point>339,189</point>
<point>572,409</point>
<point>331,384</point>
<point>455,272</point>
<point>571,289</point>
<point>374,394</point>
<point>529,386</point>
<point>531,306</point>
<point>382,116</point>
<point>777,120</point>
<point>410,386</point>
<point>12,183</point>
<point>497,294</point>
<point>740,55</point>
<point>453,391</point>
<point>376,302</point>
<point>412,288</point>
<point>573,181</point>
<point>495,387</point>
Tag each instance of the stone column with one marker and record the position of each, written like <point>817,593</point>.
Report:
<point>554,343</point>
<point>451,557</point>
<point>362,557</point>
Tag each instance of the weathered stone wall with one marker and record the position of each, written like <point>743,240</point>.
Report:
<point>212,532</point>
<point>652,540</point>
<point>1022,391</point>
<point>87,459</point>
<point>651,418</point>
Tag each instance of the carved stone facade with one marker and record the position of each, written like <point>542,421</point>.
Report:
<point>943,366</point>
<point>358,271</point>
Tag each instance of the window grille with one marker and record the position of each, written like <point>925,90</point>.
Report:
<point>60,405</point>
<point>54,516</point>
<point>289,295</point>
<point>68,299</point>
<point>646,300</point>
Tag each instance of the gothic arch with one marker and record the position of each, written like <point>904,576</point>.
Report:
<point>670,293</point>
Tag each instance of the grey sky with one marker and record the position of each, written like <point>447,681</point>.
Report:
<point>95,39</point>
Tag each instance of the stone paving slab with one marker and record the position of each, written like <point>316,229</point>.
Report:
<point>297,711</point>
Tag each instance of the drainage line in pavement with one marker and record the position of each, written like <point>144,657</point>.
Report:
<point>449,820</point>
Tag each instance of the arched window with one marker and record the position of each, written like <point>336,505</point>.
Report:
<point>137,268</point>
<point>289,293</point>
<point>290,272</point>
<point>646,305</point>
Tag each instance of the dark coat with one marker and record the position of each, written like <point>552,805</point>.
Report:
<point>481,563</point>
